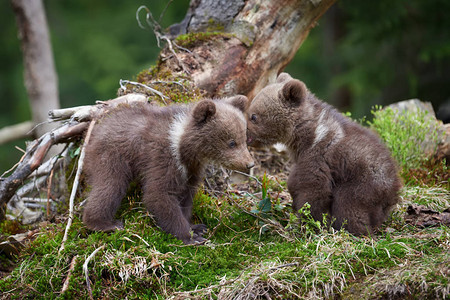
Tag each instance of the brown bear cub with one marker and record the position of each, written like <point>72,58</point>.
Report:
<point>339,167</point>
<point>166,149</point>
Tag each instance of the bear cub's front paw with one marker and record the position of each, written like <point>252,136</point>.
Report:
<point>196,235</point>
<point>199,229</point>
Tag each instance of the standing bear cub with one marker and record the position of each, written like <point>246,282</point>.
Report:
<point>339,167</point>
<point>166,149</point>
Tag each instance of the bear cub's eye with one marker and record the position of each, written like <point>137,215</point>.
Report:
<point>232,144</point>
<point>253,118</point>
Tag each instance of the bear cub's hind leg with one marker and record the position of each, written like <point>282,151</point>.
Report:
<point>307,184</point>
<point>104,199</point>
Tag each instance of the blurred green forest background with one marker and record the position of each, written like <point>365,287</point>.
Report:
<point>361,53</point>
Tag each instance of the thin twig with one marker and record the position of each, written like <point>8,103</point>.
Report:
<point>75,184</point>
<point>283,266</point>
<point>164,11</point>
<point>180,62</point>
<point>66,282</point>
<point>151,22</point>
<point>182,48</point>
<point>49,188</point>
<point>123,82</point>
<point>213,286</point>
<point>145,242</point>
<point>168,82</point>
<point>86,271</point>
<point>13,167</point>
<point>249,176</point>
<point>20,149</point>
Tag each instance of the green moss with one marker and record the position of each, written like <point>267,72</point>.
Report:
<point>191,40</point>
<point>11,227</point>
<point>214,26</point>
<point>175,87</point>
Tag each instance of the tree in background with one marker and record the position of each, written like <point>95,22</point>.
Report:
<point>40,77</point>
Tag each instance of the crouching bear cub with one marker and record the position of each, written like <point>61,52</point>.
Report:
<point>166,149</point>
<point>339,167</point>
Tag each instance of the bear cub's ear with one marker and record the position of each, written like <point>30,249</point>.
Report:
<point>204,111</point>
<point>283,77</point>
<point>238,101</point>
<point>294,92</point>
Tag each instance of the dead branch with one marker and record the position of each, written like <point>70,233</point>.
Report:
<point>71,268</point>
<point>123,84</point>
<point>75,184</point>
<point>78,113</point>
<point>157,30</point>
<point>46,167</point>
<point>14,132</point>
<point>179,61</point>
<point>33,158</point>
<point>37,149</point>
<point>30,186</point>
<point>88,112</point>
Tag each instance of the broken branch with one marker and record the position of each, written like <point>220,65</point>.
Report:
<point>38,149</point>
<point>71,268</point>
<point>15,132</point>
<point>75,184</point>
<point>88,112</point>
<point>33,158</point>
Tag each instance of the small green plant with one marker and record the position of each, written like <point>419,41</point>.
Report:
<point>264,206</point>
<point>405,134</point>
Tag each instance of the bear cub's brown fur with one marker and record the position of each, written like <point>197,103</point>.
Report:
<point>339,167</point>
<point>166,149</point>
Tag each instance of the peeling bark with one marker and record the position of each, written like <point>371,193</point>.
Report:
<point>265,35</point>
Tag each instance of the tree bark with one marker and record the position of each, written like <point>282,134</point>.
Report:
<point>40,77</point>
<point>265,37</point>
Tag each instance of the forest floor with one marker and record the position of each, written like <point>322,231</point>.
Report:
<point>256,249</point>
